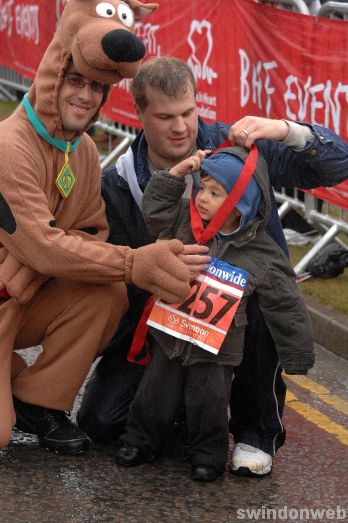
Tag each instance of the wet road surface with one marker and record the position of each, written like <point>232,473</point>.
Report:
<point>309,481</point>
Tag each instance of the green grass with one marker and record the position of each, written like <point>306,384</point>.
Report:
<point>332,292</point>
<point>6,108</point>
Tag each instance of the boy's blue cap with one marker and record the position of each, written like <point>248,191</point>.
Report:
<point>225,168</point>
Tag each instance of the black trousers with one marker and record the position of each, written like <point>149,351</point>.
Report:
<point>258,390</point>
<point>257,398</point>
<point>206,389</point>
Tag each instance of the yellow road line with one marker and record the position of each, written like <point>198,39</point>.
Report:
<point>324,394</point>
<point>316,417</point>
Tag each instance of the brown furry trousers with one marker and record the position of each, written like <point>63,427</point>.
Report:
<point>73,322</point>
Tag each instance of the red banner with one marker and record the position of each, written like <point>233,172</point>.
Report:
<point>248,58</point>
<point>337,195</point>
<point>26,29</point>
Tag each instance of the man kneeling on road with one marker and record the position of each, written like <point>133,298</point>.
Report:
<point>62,286</point>
<point>297,155</point>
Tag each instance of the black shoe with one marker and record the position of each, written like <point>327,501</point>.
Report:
<point>203,473</point>
<point>53,428</point>
<point>131,456</point>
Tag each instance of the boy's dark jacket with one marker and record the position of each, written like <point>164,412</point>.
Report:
<point>270,275</point>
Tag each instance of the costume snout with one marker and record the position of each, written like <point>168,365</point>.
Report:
<point>111,55</point>
<point>122,46</point>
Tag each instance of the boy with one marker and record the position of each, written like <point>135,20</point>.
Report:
<point>235,235</point>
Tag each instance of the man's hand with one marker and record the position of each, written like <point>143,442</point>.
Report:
<point>195,257</point>
<point>158,269</point>
<point>246,131</point>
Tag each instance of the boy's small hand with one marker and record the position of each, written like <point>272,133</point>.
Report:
<point>191,164</point>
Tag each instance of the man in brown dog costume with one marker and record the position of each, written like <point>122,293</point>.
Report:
<point>62,286</point>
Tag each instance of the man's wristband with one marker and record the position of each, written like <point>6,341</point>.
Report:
<point>298,135</point>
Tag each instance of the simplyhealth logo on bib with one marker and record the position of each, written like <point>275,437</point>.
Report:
<point>206,315</point>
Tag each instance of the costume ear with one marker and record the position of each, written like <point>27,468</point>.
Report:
<point>141,10</point>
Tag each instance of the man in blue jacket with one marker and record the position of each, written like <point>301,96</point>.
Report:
<point>297,155</point>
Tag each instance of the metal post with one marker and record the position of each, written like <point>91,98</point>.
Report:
<point>299,5</point>
<point>116,152</point>
<point>332,7</point>
<point>283,209</point>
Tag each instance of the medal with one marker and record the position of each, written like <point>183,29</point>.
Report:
<point>65,179</point>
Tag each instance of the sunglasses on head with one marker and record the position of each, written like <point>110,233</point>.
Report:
<point>75,80</point>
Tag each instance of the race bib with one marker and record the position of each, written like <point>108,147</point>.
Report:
<point>206,315</point>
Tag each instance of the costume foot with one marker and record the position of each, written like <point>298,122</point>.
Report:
<point>250,461</point>
<point>53,428</point>
<point>203,473</point>
<point>131,456</point>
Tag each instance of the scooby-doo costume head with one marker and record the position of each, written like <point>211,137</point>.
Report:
<point>98,38</point>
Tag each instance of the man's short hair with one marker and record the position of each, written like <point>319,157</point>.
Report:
<point>167,74</point>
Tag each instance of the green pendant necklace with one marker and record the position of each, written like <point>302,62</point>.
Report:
<point>65,179</point>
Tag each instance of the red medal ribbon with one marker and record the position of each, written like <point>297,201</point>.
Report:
<point>139,338</point>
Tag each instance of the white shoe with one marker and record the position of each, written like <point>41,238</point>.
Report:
<point>250,461</point>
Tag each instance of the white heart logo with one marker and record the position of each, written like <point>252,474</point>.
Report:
<point>201,69</point>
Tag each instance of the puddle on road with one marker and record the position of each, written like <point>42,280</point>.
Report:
<point>23,438</point>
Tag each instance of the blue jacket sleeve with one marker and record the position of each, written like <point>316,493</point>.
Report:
<point>323,162</point>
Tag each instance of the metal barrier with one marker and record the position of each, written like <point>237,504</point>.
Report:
<point>11,83</point>
<point>333,9</point>
<point>327,224</point>
<point>330,9</point>
<point>127,136</point>
<point>297,5</point>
